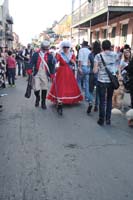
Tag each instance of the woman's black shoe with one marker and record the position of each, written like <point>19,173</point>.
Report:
<point>100,122</point>
<point>1,108</point>
<point>59,109</point>
<point>44,106</point>
<point>95,109</point>
<point>37,103</point>
<point>89,108</point>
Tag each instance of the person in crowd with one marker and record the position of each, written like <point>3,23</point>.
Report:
<point>4,54</point>
<point>19,59</point>
<point>104,85</point>
<point>77,48</point>
<point>123,64</point>
<point>2,72</point>
<point>96,48</point>
<point>129,69</point>
<point>42,66</point>
<point>126,58</point>
<point>27,54</point>
<point>11,66</point>
<point>119,56</point>
<point>83,72</point>
<point>53,50</point>
<point>64,89</point>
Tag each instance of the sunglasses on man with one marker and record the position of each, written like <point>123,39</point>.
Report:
<point>66,47</point>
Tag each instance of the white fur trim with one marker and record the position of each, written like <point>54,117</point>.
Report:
<point>65,44</point>
<point>65,97</point>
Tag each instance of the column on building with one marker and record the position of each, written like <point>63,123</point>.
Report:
<point>118,35</point>
<point>100,35</point>
<point>89,36</point>
<point>130,32</point>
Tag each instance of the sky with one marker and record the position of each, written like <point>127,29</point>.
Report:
<point>33,16</point>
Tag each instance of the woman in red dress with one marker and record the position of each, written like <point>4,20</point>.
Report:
<point>64,89</point>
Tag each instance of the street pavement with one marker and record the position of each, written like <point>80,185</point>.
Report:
<point>44,156</point>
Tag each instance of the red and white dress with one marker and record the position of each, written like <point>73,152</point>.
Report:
<point>64,87</point>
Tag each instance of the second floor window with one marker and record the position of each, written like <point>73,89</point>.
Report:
<point>104,33</point>
<point>113,32</point>
<point>124,30</point>
<point>97,35</point>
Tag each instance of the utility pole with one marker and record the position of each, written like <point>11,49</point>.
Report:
<point>107,33</point>
<point>73,1</point>
<point>107,36</point>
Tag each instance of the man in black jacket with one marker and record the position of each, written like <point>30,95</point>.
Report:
<point>27,54</point>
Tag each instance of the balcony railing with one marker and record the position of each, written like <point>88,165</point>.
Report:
<point>88,9</point>
<point>1,34</point>
<point>9,36</point>
<point>9,19</point>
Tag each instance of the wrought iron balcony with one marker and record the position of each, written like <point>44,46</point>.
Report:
<point>9,19</point>
<point>1,34</point>
<point>9,36</point>
<point>98,7</point>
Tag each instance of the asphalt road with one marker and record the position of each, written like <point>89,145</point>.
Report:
<point>47,157</point>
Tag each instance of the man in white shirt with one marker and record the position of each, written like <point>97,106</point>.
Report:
<point>84,69</point>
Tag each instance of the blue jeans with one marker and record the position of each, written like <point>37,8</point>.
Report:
<point>19,62</point>
<point>11,76</point>
<point>85,78</point>
<point>105,91</point>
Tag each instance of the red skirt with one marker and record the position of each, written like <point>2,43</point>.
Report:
<point>64,87</point>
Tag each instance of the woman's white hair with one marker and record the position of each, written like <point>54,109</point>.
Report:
<point>65,43</point>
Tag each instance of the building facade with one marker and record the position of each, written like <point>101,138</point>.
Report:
<point>16,43</point>
<point>104,19</point>
<point>6,23</point>
<point>63,27</point>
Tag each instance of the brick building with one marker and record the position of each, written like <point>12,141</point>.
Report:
<point>101,19</point>
<point>6,22</point>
